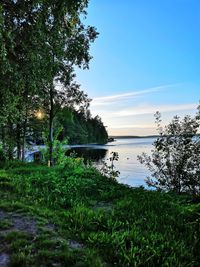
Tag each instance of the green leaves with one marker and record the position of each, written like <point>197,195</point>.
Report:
<point>175,160</point>
<point>135,227</point>
<point>40,43</point>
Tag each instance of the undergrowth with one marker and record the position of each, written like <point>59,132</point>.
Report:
<point>109,223</point>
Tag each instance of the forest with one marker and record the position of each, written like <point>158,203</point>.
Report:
<point>41,44</point>
<point>74,127</point>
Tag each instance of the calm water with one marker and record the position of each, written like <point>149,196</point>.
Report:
<point>131,171</point>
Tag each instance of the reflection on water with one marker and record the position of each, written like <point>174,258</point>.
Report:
<point>89,153</point>
<point>131,171</point>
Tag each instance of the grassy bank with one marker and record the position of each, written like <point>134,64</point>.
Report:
<point>73,216</point>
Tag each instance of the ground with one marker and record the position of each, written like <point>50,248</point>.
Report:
<point>73,216</point>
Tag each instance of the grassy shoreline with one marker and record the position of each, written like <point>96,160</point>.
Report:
<point>73,216</point>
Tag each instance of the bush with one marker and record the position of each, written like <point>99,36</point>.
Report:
<point>175,160</point>
<point>59,149</point>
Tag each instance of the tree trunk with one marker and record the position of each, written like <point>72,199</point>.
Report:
<point>24,139</point>
<point>10,141</point>
<point>18,141</point>
<point>3,137</point>
<point>50,163</point>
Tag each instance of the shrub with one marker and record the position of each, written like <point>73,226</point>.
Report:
<point>59,149</point>
<point>175,160</point>
<point>108,170</point>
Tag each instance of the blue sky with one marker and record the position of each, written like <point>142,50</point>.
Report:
<point>146,58</point>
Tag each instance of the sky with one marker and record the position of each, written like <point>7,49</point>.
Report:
<point>145,59</point>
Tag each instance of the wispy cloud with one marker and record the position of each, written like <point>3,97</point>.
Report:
<point>152,109</point>
<point>130,126</point>
<point>130,112</point>
<point>107,100</point>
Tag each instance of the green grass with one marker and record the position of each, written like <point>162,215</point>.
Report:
<point>85,219</point>
<point>5,224</point>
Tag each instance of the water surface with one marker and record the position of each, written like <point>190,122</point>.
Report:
<point>131,171</point>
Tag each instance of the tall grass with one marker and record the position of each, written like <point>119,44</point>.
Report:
<point>124,226</point>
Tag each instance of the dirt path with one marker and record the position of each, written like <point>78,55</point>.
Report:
<point>17,229</point>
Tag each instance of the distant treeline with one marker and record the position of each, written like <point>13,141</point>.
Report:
<point>82,128</point>
<point>133,136</point>
<point>78,127</point>
<point>137,136</point>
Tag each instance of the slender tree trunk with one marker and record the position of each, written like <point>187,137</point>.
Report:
<point>18,141</point>
<point>51,128</point>
<point>3,137</point>
<point>24,139</point>
<point>10,141</point>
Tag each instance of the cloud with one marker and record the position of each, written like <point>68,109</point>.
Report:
<point>129,126</point>
<point>152,109</point>
<point>107,100</point>
<point>132,112</point>
<point>132,131</point>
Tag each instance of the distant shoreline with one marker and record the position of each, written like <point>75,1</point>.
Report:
<point>137,136</point>
<point>132,136</point>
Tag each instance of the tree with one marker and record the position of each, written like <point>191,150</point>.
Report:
<point>80,128</point>
<point>19,68</point>
<point>41,42</point>
<point>175,159</point>
<point>65,42</point>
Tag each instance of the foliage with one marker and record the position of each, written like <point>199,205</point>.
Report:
<point>109,170</point>
<point>80,127</point>
<point>77,127</point>
<point>175,159</point>
<point>2,156</point>
<point>40,43</point>
<point>59,148</point>
<point>83,207</point>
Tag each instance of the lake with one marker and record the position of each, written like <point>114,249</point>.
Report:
<point>131,171</point>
